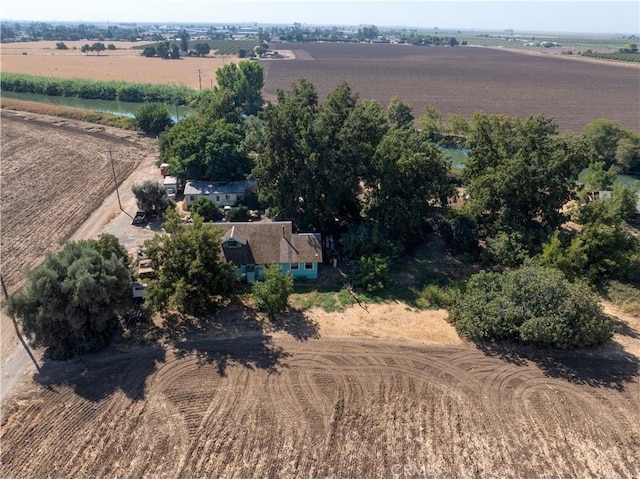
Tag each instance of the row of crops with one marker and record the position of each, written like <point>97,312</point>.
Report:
<point>97,90</point>
<point>623,57</point>
<point>220,47</point>
<point>233,47</point>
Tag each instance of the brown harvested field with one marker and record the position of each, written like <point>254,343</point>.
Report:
<point>55,173</point>
<point>272,407</point>
<point>125,63</point>
<point>462,80</point>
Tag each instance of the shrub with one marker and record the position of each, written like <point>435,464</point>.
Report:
<point>372,273</point>
<point>272,295</point>
<point>153,118</point>
<point>238,213</point>
<point>533,305</point>
<point>506,249</point>
<point>207,209</point>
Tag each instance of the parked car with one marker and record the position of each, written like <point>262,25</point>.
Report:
<point>145,269</point>
<point>140,218</point>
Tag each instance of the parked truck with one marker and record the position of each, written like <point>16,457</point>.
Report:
<point>171,185</point>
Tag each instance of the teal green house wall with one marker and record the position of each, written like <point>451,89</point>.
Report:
<point>253,245</point>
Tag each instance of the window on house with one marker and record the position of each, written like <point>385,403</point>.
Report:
<point>232,244</point>
<point>226,197</point>
<point>295,265</point>
<point>308,266</point>
<point>193,198</point>
<point>217,198</point>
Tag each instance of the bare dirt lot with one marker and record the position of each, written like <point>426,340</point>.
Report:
<point>462,80</point>
<point>125,63</point>
<point>55,174</point>
<point>272,407</point>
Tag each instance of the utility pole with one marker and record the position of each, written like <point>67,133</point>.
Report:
<point>115,180</point>
<point>199,79</point>
<point>15,325</point>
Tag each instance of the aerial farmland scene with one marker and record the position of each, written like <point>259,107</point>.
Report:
<point>320,239</point>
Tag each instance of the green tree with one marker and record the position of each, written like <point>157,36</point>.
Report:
<point>286,169</point>
<point>372,273</point>
<point>68,303</point>
<point>191,276</point>
<point>183,35</point>
<point>151,197</point>
<point>98,47</point>
<point>628,154</point>
<point>202,49</point>
<point>149,52</point>
<point>605,247</point>
<point>198,149</point>
<point>597,178</point>
<point>399,113</point>
<point>602,136</point>
<point>311,163</point>
<point>245,80</point>
<point>85,49</point>
<point>410,183</point>
<point>519,175</point>
<point>153,118</point>
<point>238,214</point>
<point>533,305</point>
<point>207,209</point>
<point>174,53</point>
<point>431,123</point>
<point>460,233</point>
<point>272,295</point>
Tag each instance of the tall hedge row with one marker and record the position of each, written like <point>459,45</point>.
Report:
<point>97,90</point>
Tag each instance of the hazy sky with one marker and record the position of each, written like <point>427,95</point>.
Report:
<point>531,15</point>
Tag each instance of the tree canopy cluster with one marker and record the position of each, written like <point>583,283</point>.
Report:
<point>191,276</point>
<point>151,197</point>
<point>69,302</point>
<point>95,47</point>
<point>532,305</point>
<point>153,118</point>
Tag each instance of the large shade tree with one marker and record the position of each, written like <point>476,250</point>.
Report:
<point>191,275</point>
<point>201,149</point>
<point>520,174</point>
<point>68,303</point>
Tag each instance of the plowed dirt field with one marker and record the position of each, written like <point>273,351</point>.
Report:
<point>273,407</point>
<point>462,80</point>
<point>55,174</point>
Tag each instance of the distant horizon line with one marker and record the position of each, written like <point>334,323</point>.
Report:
<point>511,31</point>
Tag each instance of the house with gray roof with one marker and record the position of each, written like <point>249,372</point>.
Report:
<point>252,246</point>
<point>221,193</point>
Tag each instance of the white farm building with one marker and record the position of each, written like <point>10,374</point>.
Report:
<point>221,193</point>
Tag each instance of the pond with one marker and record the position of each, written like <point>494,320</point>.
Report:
<point>123,108</point>
<point>458,156</point>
